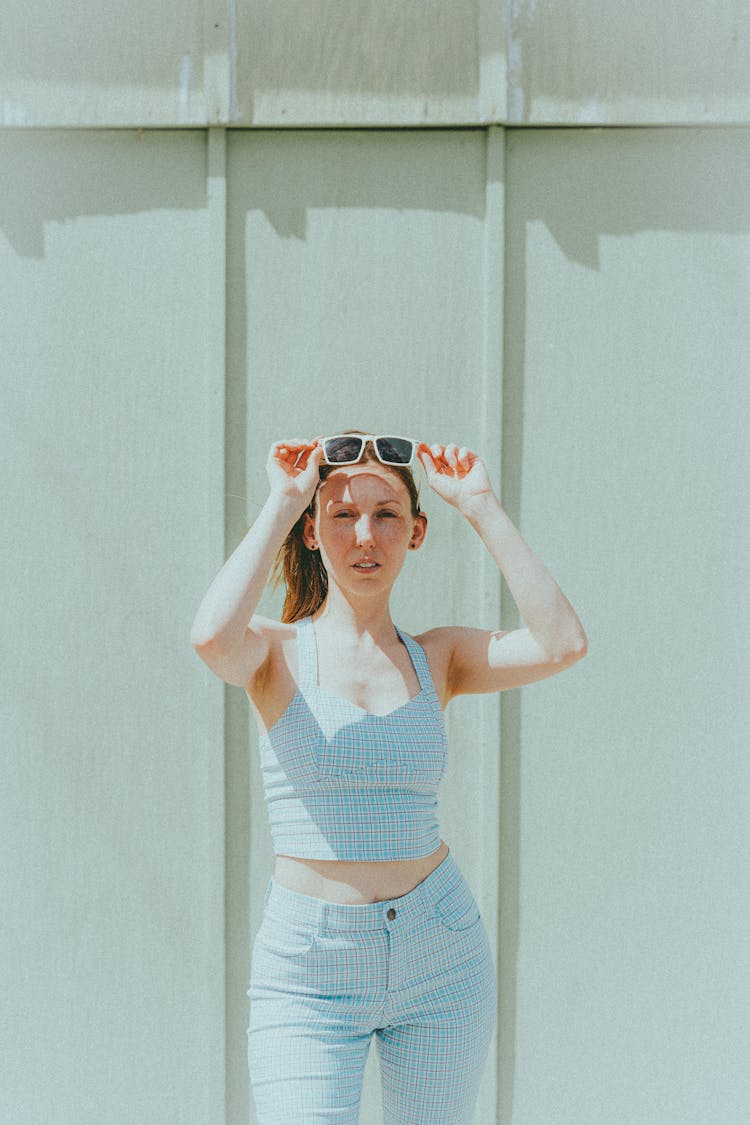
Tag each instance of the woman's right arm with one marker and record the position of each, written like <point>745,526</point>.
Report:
<point>223,633</point>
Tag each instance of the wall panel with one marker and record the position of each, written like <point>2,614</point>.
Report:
<point>368,284</point>
<point>600,62</point>
<point>111,819</point>
<point>625,887</point>
<point>359,265</point>
<point>78,63</point>
<point>374,62</point>
<point>370,62</point>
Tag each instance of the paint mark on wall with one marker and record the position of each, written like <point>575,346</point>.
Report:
<point>519,15</point>
<point>14,114</point>
<point>589,113</point>
<point>234,112</point>
<point>186,71</point>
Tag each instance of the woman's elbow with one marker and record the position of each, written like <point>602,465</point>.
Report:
<point>204,641</point>
<point>570,650</point>
<point>577,648</point>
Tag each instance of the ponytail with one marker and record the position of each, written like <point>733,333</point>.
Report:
<point>302,572</point>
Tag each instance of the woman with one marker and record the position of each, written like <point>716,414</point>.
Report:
<point>369,927</point>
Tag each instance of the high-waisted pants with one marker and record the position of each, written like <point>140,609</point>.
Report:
<point>414,971</point>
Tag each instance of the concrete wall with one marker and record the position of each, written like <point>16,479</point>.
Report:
<point>571,301</point>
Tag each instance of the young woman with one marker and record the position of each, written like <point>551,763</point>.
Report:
<point>369,927</point>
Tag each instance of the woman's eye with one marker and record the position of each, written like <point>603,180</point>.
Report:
<point>392,515</point>
<point>342,515</point>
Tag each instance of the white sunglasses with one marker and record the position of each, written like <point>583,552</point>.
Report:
<point>347,449</point>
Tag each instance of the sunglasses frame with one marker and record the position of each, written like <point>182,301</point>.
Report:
<point>373,439</point>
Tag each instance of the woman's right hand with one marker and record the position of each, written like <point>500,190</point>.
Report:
<point>292,469</point>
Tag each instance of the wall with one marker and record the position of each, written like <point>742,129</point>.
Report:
<point>245,215</point>
<point>112,795</point>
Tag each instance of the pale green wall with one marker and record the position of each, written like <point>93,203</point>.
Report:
<point>625,879</point>
<point>360,265</point>
<point>111,826</point>
<point>571,301</point>
<point>374,62</point>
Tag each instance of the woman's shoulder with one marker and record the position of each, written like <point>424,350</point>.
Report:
<point>446,647</point>
<point>280,638</point>
<point>437,644</point>
<point>440,638</point>
<point>277,674</point>
<point>275,631</point>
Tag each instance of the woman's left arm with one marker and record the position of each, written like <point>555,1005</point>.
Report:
<point>553,639</point>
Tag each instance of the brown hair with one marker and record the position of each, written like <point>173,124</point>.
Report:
<point>300,569</point>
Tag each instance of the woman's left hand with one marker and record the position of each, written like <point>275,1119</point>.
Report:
<point>457,475</point>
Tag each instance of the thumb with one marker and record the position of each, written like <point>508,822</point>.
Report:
<point>424,455</point>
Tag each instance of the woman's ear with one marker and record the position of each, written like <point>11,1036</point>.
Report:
<point>418,532</point>
<point>308,532</point>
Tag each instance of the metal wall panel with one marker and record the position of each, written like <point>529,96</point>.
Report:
<point>370,62</point>
<point>77,63</point>
<point>359,271</point>
<point>374,62</point>
<point>599,62</point>
<point>111,806</point>
<point>626,783</point>
<point>365,275</point>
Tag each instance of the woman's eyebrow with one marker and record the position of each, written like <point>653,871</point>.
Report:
<point>353,503</point>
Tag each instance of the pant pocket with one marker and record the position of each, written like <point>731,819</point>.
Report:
<point>458,909</point>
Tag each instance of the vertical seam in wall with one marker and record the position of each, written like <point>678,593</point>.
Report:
<point>216,200</point>
<point>510,715</point>
<point>491,391</point>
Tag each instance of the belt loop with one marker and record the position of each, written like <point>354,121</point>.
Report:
<point>324,918</point>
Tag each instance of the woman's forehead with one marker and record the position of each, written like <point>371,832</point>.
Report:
<point>359,482</point>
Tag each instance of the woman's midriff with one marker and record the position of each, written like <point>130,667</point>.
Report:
<point>354,883</point>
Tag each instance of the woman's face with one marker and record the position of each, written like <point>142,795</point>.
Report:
<point>363,526</point>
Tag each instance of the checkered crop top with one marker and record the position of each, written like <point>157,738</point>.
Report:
<point>342,783</point>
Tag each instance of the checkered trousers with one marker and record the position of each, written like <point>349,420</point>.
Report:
<point>415,972</point>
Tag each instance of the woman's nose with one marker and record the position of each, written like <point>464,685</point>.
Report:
<point>364,531</point>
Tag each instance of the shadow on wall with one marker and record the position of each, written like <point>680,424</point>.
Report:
<point>623,183</point>
<point>61,176</point>
<point>631,173</point>
<point>586,187</point>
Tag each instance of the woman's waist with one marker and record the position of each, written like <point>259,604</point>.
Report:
<point>353,882</point>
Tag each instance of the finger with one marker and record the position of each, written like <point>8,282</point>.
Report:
<point>450,455</point>
<point>311,454</point>
<point>288,445</point>
<point>424,455</point>
<point>315,456</point>
<point>438,456</point>
<point>290,454</point>
<point>438,461</point>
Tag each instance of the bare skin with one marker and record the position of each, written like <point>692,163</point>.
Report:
<point>364,527</point>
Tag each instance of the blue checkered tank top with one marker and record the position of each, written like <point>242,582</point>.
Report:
<point>342,783</point>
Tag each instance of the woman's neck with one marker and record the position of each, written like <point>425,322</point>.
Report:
<point>345,616</point>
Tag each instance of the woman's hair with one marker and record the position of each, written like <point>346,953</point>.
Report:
<point>300,569</point>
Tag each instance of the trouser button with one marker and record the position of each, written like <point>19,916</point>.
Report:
<point>391,914</point>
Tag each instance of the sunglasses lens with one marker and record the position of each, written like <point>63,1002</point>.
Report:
<point>345,450</point>
<point>395,450</point>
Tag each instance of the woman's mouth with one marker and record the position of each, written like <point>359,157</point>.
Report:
<point>366,564</point>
